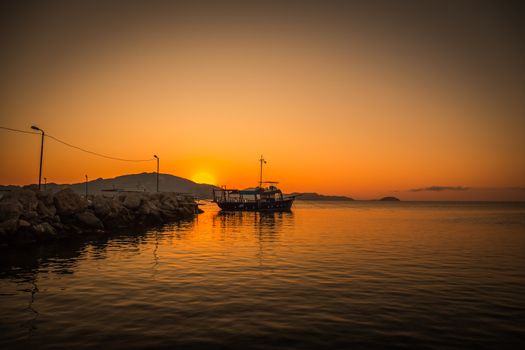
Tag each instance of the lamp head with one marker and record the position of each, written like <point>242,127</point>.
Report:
<point>35,128</point>
<point>155,156</point>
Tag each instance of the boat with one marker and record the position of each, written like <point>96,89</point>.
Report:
<point>265,197</point>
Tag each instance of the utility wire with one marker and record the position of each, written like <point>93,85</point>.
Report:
<point>79,148</point>
<point>17,130</point>
<point>98,154</point>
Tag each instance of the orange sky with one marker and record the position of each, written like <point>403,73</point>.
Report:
<point>337,106</point>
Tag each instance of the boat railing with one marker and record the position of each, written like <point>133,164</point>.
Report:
<point>233,196</point>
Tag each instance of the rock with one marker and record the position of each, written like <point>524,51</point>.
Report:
<point>189,199</point>
<point>156,196</point>
<point>189,210</point>
<point>68,202</point>
<point>102,205</point>
<point>49,229</point>
<point>46,210</point>
<point>89,219</point>
<point>167,206</point>
<point>73,230</point>
<point>184,211</point>
<point>10,209</point>
<point>23,224</point>
<point>149,207</point>
<point>45,197</point>
<point>10,225</point>
<point>170,200</point>
<point>39,228</point>
<point>132,200</point>
<point>150,212</point>
<point>31,216</point>
<point>58,226</point>
<point>119,216</point>
<point>44,232</point>
<point>25,197</point>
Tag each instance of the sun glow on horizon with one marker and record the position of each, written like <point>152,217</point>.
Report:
<point>203,177</point>
<point>337,103</point>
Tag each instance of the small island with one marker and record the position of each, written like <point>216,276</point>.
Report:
<point>390,199</point>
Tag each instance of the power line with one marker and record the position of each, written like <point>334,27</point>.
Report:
<point>17,130</point>
<point>98,154</point>
<point>78,148</point>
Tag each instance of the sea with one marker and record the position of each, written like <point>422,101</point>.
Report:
<point>327,275</point>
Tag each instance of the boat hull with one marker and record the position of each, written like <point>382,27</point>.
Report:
<point>284,205</point>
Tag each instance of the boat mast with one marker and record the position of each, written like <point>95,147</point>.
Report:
<point>260,177</point>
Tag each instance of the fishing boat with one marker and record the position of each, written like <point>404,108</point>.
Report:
<point>265,197</point>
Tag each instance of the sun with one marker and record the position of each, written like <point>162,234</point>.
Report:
<point>203,177</point>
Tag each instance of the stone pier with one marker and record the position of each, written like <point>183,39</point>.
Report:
<point>28,215</point>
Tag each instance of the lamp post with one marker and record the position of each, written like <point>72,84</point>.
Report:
<point>41,154</point>
<point>158,160</point>
<point>86,186</point>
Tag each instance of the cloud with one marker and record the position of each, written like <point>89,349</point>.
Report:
<point>440,188</point>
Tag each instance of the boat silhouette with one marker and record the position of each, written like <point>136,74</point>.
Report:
<point>260,198</point>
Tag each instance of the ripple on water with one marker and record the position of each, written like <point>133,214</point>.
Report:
<point>363,274</point>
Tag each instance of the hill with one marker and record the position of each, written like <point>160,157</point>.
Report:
<point>167,183</point>
<point>312,196</point>
<point>143,181</point>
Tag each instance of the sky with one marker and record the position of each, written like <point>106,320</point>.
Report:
<point>422,100</point>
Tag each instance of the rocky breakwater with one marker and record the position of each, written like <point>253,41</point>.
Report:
<point>28,215</point>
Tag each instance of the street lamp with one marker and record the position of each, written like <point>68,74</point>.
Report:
<point>41,154</point>
<point>158,160</point>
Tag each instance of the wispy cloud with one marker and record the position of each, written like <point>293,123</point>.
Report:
<point>440,188</point>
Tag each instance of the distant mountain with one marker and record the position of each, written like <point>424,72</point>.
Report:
<point>312,196</point>
<point>167,183</point>
<point>144,181</point>
<point>390,199</point>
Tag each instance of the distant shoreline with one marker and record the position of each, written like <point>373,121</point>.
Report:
<point>312,196</point>
<point>146,182</point>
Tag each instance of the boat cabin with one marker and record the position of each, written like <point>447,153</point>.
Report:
<point>253,199</point>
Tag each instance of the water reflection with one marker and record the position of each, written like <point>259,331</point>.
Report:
<point>266,226</point>
<point>25,265</point>
<point>179,230</point>
<point>155,254</point>
<point>23,262</point>
<point>32,322</point>
<point>316,277</point>
<point>62,257</point>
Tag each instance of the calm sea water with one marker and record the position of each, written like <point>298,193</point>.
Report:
<point>331,275</point>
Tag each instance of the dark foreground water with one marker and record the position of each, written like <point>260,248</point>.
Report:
<point>357,275</point>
